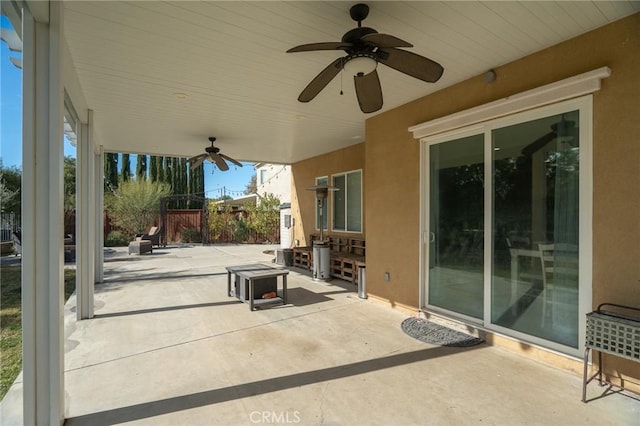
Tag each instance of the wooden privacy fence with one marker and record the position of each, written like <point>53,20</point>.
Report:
<point>177,221</point>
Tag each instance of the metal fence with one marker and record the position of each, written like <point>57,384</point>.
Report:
<point>9,222</point>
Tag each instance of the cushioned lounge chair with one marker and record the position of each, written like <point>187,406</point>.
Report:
<point>153,235</point>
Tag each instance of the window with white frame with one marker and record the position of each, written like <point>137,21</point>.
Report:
<point>347,201</point>
<point>324,214</point>
<point>263,176</point>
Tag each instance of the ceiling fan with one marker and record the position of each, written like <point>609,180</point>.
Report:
<point>365,48</point>
<point>215,156</point>
<point>562,129</point>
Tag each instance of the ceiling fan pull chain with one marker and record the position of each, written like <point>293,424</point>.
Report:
<point>341,72</point>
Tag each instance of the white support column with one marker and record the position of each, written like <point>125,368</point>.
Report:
<point>99,203</point>
<point>42,220</point>
<point>85,224</point>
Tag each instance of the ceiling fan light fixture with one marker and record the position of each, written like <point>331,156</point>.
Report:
<point>360,64</point>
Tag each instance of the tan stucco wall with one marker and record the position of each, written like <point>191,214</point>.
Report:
<point>616,161</point>
<point>392,195</point>
<point>303,175</point>
<point>392,160</point>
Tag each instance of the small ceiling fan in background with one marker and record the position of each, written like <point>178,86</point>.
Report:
<point>366,48</point>
<point>213,154</point>
<point>564,128</point>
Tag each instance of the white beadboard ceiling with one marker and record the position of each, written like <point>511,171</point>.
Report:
<point>229,59</point>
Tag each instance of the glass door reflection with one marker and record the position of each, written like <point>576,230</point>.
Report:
<point>535,228</point>
<point>456,222</point>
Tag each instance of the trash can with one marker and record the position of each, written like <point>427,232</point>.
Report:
<point>288,257</point>
<point>321,261</point>
<point>362,282</point>
<point>284,257</point>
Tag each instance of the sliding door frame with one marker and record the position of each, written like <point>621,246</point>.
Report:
<point>584,105</point>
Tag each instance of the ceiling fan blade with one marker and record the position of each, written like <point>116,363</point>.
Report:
<point>197,157</point>
<point>226,157</point>
<point>321,81</point>
<point>219,161</point>
<point>320,46</point>
<point>368,91</point>
<point>385,40</point>
<point>411,64</point>
<point>198,161</point>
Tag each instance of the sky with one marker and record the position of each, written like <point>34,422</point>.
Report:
<point>233,182</point>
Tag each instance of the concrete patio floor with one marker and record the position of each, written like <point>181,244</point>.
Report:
<point>169,347</point>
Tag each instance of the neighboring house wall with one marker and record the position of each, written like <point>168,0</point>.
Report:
<point>238,203</point>
<point>304,175</point>
<point>392,173</point>
<point>274,179</point>
<point>285,226</point>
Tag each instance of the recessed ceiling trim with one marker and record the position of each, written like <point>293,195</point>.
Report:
<point>568,88</point>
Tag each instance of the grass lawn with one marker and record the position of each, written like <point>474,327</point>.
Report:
<point>11,322</point>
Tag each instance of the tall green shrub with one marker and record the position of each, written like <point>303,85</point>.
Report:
<point>219,220</point>
<point>265,215</point>
<point>136,205</point>
<point>240,228</point>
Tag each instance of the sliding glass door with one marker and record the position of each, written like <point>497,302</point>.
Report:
<point>535,227</point>
<point>456,225</point>
<point>504,249</point>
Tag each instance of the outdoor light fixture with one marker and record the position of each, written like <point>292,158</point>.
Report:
<point>360,64</point>
<point>490,76</point>
<point>322,192</point>
<point>321,270</point>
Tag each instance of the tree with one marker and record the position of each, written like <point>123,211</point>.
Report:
<point>160,166</point>
<point>194,186</point>
<point>110,171</point>
<point>141,167</point>
<point>69,184</point>
<point>265,215</point>
<point>168,177</point>
<point>252,186</point>
<point>220,220</point>
<point>176,181</point>
<point>6,195</point>
<point>166,170</point>
<point>126,168</point>
<point>69,179</point>
<point>153,168</point>
<point>198,185</point>
<point>10,182</point>
<point>184,182</point>
<point>136,205</point>
<point>200,181</point>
